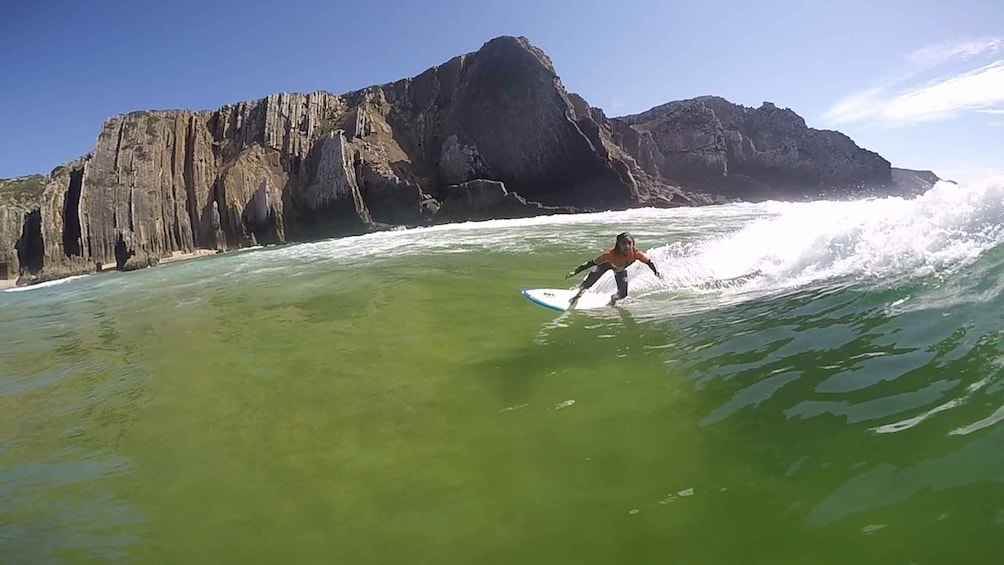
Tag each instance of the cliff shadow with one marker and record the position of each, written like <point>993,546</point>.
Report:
<point>30,246</point>
<point>71,214</point>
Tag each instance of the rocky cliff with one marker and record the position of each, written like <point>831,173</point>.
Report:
<point>907,182</point>
<point>708,144</point>
<point>487,134</point>
<point>18,198</point>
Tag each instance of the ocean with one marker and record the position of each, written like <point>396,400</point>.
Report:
<point>813,382</point>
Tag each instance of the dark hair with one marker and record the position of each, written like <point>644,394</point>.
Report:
<point>624,236</point>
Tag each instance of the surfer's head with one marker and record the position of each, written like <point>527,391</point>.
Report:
<point>625,243</point>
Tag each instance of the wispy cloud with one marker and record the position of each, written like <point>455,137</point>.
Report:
<point>976,90</point>
<point>941,53</point>
<point>975,83</point>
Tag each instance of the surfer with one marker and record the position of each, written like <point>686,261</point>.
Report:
<point>618,258</point>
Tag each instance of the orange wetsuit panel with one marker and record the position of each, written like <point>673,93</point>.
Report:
<point>620,261</point>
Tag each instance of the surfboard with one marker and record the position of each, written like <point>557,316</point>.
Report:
<point>558,298</point>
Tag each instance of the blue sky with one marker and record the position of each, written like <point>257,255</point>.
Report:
<point>920,82</point>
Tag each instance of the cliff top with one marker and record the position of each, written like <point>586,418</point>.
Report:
<point>23,192</point>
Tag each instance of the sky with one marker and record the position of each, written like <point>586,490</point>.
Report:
<point>920,82</point>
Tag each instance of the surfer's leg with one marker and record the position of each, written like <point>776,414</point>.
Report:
<point>593,276</point>
<point>620,277</point>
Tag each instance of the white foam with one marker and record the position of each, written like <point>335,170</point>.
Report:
<point>791,245</point>
<point>722,253</point>
<point>45,284</point>
<point>979,425</point>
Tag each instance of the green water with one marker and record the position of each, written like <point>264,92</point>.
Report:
<point>393,399</point>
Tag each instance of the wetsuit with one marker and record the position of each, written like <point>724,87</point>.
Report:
<point>619,262</point>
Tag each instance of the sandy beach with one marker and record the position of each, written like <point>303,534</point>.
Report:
<point>182,255</point>
<point>7,283</point>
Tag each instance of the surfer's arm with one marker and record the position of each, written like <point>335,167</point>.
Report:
<point>651,265</point>
<point>581,268</point>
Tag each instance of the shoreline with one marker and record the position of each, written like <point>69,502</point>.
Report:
<point>174,257</point>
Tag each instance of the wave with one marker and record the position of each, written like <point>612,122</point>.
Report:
<point>723,253</point>
<point>878,241</point>
<point>46,284</point>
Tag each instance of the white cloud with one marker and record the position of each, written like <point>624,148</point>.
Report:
<point>940,53</point>
<point>897,101</point>
<point>855,107</point>
<point>976,90</point>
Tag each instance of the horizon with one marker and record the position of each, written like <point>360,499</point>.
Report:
<point>933,102</point>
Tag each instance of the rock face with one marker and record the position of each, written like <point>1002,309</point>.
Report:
<point>20,223</point>
<point>487,134</point>
<point>711,145</point>
<point>913,183</point>
<point>485,199</point>
<point>12,221</point>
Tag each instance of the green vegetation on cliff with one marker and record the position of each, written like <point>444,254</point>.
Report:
<point>22,191</point>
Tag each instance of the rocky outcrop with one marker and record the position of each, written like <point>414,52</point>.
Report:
<point>633,155</point>
<point>130,252</point>
<point>491,133</point>
<point>11,223</point>
<point>481,199</point>
<point>908,182</point>
<point>18,198</point>
<point>249,198</point>
<point>711,145</point>
<point>333,193</point>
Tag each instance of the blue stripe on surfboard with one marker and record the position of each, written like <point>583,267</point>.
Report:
<point>535,301</point>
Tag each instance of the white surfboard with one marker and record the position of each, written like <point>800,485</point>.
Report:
<point>559,298</point>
